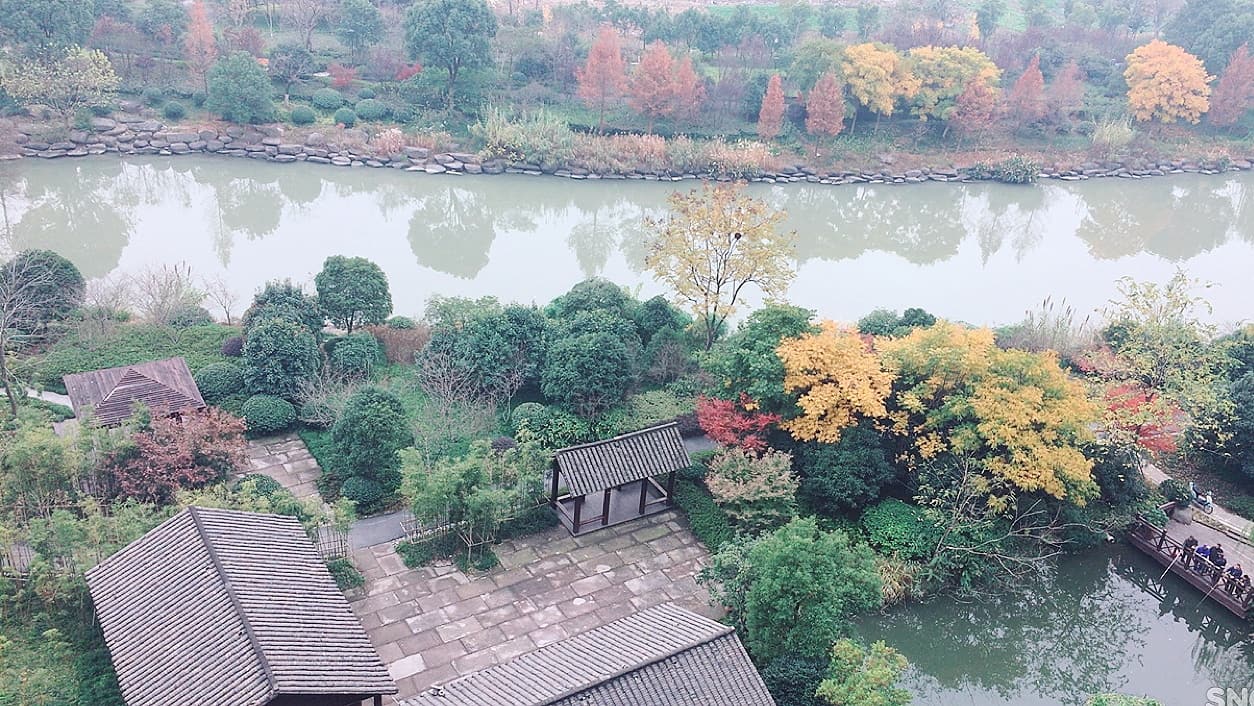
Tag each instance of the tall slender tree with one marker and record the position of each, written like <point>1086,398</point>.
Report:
<point>1066,93</point>
<point>1026,101</point>
<point>771,115</point>
<point>1234,94</point>
<point>652,84</point>
<point>199,48</point>
<point>603,76</point>
<point>825,109</point>
<point>687,92</point>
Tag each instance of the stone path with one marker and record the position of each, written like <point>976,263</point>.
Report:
<point>285,459</point>
<point>435,623</point>
<point>1239,525</point>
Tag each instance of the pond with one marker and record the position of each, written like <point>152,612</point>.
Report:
<point>1107,621</point>
<point>980,253</point>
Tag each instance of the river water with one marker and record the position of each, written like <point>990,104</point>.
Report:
<point>982,253</point>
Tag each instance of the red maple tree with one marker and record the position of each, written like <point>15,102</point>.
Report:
<point>771,115</point>
<point>733,423</point>
<point>603,76</point>
<point>1142,416</point>
<point>179,453</point>
<point>1234,94</point>
<point>1026,100</point>
<point>341,76</point>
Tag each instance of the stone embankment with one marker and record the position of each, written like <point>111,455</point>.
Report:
<point>135,134</point>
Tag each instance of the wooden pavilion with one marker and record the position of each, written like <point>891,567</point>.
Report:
<point>166,387</point>
<point>620,475</point>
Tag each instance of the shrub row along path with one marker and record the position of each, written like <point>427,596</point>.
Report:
<point>435,623</point>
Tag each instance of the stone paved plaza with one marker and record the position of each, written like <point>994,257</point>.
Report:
<point>434,623</point>
<point>285,459</point>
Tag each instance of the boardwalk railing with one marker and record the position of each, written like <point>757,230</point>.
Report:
<point>1231,593</point>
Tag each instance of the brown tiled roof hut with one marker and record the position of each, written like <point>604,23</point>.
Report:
<point>623,471</point>
<point>165,386</point>
<point>661,656</point>
<point>225,608</point>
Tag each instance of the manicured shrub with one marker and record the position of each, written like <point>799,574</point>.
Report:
<point>345,117</point>
<point>278,355</point>
<point>1175,491</point>
<point>233,347</point>
<point>189,316</point>
<point>327,99</point>
<point>345,574</point>
<point>367,494</point>
<point>893,527</point>
<point>371,109</point>
<point>356,355</point>
<point>284,300</point>
<point>263,484</point>
<point>401,323</point>
<point>303,115</point>
<point>366,93</point>
<point>153,96</point>
<point>266,414</point>
<point>173,110</point>
<point>240,90</point>
<point>220,380</point>
<point>233,404</point>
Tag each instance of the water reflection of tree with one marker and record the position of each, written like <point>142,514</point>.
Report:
<point>1054,639</point>
<point>992,213</point>
<point>85,213</point>
<point>452,230</point>
<point>922,224</point>
<point>1174,218</point>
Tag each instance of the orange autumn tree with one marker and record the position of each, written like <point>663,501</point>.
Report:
<point>1166,83</point>
<point>1234,94</point>
<point>687,92</point>
<point>771,115</point>
<point>1026,100</point>
<point>603,76</point>
<point>1066,93</point>
<point>837,379</point>
<point>975,110</point>
<point>199,48</point>
<point>825,108</point>
<point>652,87</point>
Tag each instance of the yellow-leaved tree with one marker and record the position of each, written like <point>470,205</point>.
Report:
<point>877,76</point>
<point>716,242</point>
<point>943,73</point>
<point>1017,416</point>
<point>838,379</point>
<point>1166,83</point>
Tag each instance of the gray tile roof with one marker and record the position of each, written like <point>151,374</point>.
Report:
<point>224,608</point>
<point>589,468</point>
<point>165,386</point>
<point>662,656</point>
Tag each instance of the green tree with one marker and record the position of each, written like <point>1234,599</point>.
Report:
<point>284,300</point>
<point>1212,29</point>
<point>451,34</point>
<point>278,355</point>
<point>499,348</point>
<point>239,90</point>
<point>50,284</point>
<point>46,25</point>
<point>848,475</point>
<point>860,677</point>
<point>79,78</point>
<point>795,589</point>
<point>747,362</point>
<point>353,291</point>
<point>368,435</point>
<point>989,15</point>
<point>360,26</point>
<point>164,20</point>
<point>289,64</point>
<point>587,373</point>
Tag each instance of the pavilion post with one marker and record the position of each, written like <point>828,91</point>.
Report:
<point>578,510</point>
<point>644,494</point>
<point>670,487</point>
<point>605,508</point>
<point>378,700</point>
<point>554,492</point>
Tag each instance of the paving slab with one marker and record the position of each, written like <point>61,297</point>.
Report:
<point>435,623</point>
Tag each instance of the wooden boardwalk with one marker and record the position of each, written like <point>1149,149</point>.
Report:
<point>1168,551</point>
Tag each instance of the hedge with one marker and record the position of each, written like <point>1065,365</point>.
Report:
<point>219,381</point>
<point>707,520</point>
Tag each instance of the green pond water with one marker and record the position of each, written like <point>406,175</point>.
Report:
<point>979,253</point>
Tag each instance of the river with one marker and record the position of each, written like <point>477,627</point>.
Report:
<point>1107,621</point>
<point>980,253</point>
